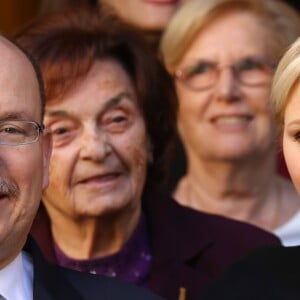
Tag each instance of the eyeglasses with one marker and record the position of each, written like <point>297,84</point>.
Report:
<point>19,132</point>
<point>204,74</point>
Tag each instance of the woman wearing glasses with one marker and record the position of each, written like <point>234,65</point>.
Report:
<point>222,55</point>
<point>272,273</point>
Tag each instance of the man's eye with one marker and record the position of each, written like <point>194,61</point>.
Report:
<point>11,130</point>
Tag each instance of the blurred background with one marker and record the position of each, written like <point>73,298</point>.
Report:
<point>15,13</point>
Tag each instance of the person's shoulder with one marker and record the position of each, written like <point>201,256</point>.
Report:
<point>268,273</point>
<point>244,231</point>
<point>239,234</point>
<point>91,287</point>
<point>235,230</point>
<point>274,258</point>
<point>228,229</point>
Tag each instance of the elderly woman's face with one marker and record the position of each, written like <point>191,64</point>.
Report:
<point>291,135</point>
<point>225,118</point>
<point>147,14</point>
<point>99,158</point>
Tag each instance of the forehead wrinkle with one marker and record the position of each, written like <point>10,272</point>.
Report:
<point>14,116</point>
<point>112,102</point>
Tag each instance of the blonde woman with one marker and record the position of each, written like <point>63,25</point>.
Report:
<point>222,54</point>
<point>273,273</point>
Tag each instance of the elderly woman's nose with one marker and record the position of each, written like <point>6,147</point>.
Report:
<point>95,145</point>
<point>227,86</point>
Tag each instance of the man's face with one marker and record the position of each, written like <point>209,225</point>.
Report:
<point>23,168</point>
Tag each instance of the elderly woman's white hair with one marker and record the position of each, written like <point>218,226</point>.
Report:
<point>277,17</point>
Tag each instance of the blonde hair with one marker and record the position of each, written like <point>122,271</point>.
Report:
<point>282,21</point>
<point>286,77</point>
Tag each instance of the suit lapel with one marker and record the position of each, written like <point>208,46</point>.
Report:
<point>49,283</point>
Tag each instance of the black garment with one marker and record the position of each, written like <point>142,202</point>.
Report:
<point>189,248</point>
<point>269,273</point>
<point>51,282</point>
<point>294,3</point>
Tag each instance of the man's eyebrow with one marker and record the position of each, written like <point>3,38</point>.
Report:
<point>15,116</point>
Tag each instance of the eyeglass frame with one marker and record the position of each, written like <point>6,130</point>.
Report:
<point>39,128</point>
<point>180,73</point>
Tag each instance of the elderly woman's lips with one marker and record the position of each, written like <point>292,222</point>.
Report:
<point>231,123</point>
<point>100,178</point>
<point>232,119</point>
<point>162,2</point>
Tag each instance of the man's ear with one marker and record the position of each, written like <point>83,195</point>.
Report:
<point>47,150</point>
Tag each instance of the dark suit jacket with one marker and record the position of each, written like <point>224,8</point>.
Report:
<point>55,283</point>
<point>269,273</point>
<point>189,248</point>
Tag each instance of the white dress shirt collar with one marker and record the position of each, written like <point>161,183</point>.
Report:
<point>16,279</point>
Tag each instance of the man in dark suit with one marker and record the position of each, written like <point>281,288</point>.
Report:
<point>25,148</point>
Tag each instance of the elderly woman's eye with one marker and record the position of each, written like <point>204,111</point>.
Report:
<point>116,123</point>
<point>249,64</point>
<point>200,68</point>
<point>60,131</point>
<point>118,119</point>
<point>297,136</point>
<point>62,134</point>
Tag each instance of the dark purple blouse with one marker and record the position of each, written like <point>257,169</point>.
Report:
<point>132,263</point>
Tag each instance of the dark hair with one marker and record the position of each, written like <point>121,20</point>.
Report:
<point>66,44</point>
